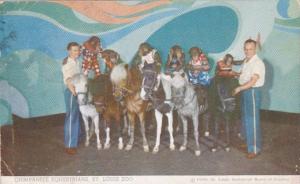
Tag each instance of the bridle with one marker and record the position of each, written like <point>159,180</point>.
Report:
<point>85,95</point>
<point>149,80</point>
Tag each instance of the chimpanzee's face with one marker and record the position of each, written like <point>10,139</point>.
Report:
<point>228,62</point>
<point>195,56</point>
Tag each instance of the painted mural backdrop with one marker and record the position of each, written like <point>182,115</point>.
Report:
<point>34,35</point>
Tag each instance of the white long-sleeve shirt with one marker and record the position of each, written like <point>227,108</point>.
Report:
<point>70,68</point>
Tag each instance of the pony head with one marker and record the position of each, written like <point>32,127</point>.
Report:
<point>80,83</point>
<point>150,82</point>
<point>178,89</point>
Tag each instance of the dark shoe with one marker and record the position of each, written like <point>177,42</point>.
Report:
<point>252,155</point>
<point>71,151</point>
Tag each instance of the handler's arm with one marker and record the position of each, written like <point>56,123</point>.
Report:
<point>67,79</point>
<point>70,86</point>
<point>247,85</point>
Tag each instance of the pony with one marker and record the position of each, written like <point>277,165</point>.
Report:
<point>224,107</point>
<point>87,109</point>
<point>110,110</point>
<point>158,91</point>
<point>112,58</point>
<point>127,82</point>
<point>185,101</point>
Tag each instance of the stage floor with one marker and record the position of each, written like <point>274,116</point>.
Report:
<point>35,147</point>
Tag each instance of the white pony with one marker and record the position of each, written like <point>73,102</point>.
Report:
<point>87,109</point>
<point>160,96</point>
<point>185,100</point>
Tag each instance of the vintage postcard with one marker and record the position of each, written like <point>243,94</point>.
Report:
<point>142,91</point>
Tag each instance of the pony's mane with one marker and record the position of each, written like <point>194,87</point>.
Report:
<point>118,73</point>
<point>122,72</point>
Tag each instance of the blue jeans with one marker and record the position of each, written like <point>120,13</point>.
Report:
<point>251,130</point>
<point>72,120</point>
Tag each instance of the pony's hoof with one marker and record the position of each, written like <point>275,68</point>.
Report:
<point>198,153</point>
<point>182,148</point>
<point>227,149</point>
<point>213,150</point>
<point>120,146</point>
<point>99,147</point>
<point>87,144</point>
<point>206,134</point>
<point>172,147</point>
<point>146,148</point>
<point>155,150</point>
<point>128,147</point>
<point>106,146</point>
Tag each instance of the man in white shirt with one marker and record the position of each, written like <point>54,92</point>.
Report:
<point>251,80</point>
<point>70,67</point>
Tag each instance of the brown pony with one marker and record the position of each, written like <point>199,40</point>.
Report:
<point>103,99</point>
<point>110,110</point>
<point>127,87</point>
